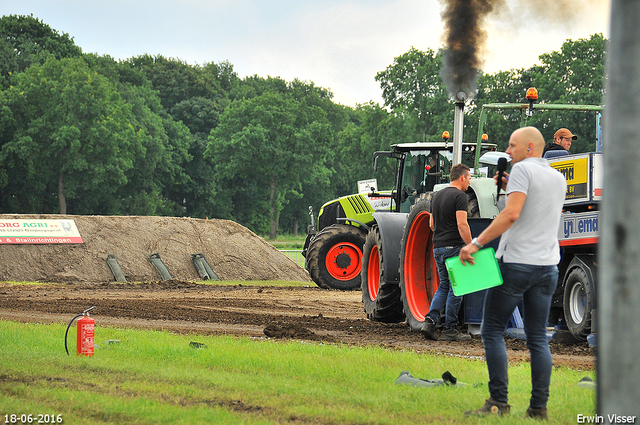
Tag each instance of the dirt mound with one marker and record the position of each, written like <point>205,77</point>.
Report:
<point>232,251</point>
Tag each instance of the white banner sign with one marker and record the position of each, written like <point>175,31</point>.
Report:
<point>364,186</point>
<point>38,231</point>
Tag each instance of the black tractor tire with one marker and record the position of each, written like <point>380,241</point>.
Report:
<point>418,272</point>
<point>381,299</point>
<point>473,209</point>
<point>334,257</point>
<point>578,302</point>
<point>425,199</point>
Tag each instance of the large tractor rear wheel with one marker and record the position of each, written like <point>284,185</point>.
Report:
<point>579,293</point>
<point>334,257</point>
<point>381,299</point>
<point>418,272</point>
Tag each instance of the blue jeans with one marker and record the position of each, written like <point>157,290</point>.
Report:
<point>444,298</point>
<point>534,285</point>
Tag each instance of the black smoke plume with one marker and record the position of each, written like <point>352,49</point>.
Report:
<point>465,39</point>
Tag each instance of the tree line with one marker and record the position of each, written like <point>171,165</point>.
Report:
<point>89,135</point>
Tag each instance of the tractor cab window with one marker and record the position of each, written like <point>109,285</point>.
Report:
<point>422,170</point>
<point>445,158</point>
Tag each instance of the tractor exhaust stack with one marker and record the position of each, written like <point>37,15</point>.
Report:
<point>458,125</point>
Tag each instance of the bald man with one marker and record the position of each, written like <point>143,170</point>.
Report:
<point>528,254</point>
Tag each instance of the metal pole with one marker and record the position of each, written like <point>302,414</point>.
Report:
<point>458,125</point>
<point>618,364</point>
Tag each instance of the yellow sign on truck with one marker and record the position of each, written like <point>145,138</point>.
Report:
<point>583,173</point>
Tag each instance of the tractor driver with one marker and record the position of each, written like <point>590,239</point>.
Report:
<point>433,176</point>
<point>414,186</point>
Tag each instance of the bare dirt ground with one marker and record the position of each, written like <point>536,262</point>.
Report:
<point>190,306</point>
<point>302,313</point>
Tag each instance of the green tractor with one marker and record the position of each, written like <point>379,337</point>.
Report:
<point>334,251</point>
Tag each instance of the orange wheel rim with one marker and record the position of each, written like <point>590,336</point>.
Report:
<point>420,280</point>
<point>344,261</point>
<point>373,273</point>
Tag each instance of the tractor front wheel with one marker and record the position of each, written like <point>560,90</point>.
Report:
<point>334,257</point>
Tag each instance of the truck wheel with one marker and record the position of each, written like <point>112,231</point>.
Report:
<point>418,273</point>
<point>578,303</point>
<point>381,299</point>
<point>334,257</point>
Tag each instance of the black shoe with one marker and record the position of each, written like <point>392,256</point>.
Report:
<point>491,407</point>
<point>429,329</point>
<point>453,334</point>
<point>537,413</point>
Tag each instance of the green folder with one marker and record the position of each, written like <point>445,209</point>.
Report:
<point>485,273</point>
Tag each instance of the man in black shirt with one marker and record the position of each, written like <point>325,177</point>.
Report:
<point>450,233</point>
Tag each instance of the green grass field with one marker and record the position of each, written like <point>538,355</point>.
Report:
<point>287,241</point>
<point>154,377</point>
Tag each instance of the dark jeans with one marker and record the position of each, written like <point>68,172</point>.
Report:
<point>444,297</point>
<point>534,285</point>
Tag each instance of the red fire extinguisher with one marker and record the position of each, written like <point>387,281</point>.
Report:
<point>86,327</point>
<point>85,334</point>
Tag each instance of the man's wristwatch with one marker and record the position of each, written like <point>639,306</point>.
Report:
<point>475,242</point>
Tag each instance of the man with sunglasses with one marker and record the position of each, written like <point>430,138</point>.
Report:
<point>561,142</point>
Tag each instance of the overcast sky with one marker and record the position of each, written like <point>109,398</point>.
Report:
<point>337,44</point>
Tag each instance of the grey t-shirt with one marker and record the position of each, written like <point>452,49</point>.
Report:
<point>533,238</point>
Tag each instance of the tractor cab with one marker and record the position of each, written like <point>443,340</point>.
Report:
<point>421,166</point>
